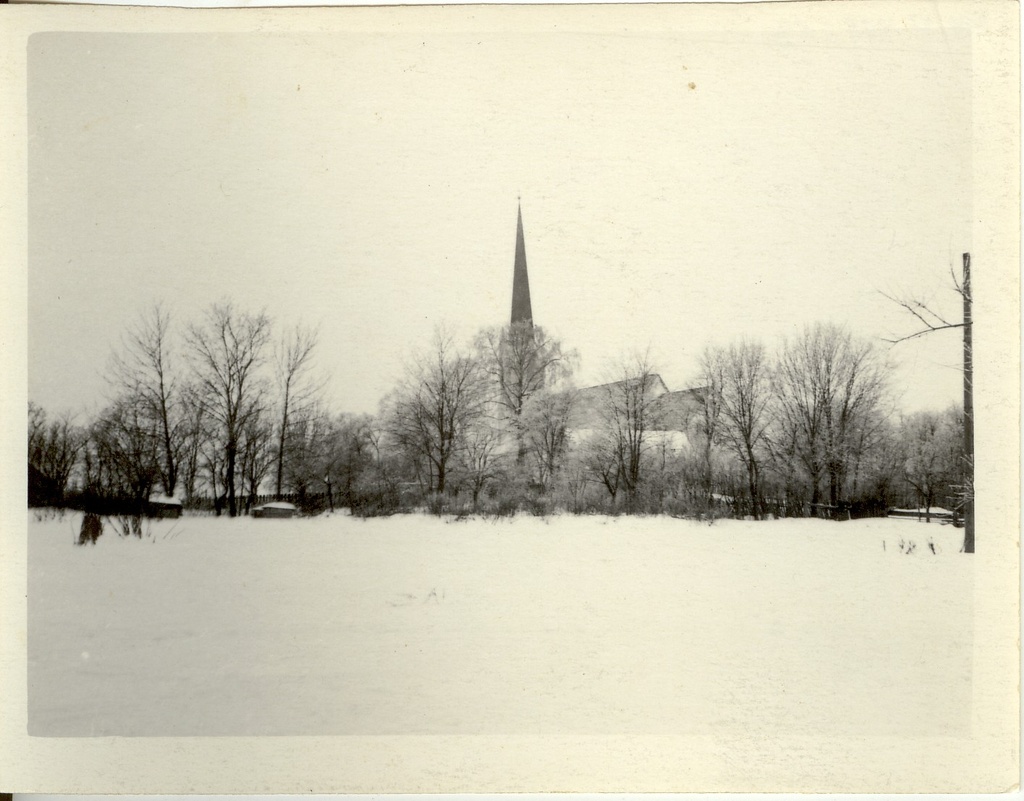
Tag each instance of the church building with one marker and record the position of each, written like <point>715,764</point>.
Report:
<point>670,411</point>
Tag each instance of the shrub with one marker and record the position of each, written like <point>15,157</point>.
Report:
<point>684,506</point>
<point>312,504</point>
<point>92,528</point>
<point>502,505</point>
<point>537,505</point>
<point>381,503</point>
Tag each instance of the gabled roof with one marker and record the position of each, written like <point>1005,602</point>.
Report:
<point>657,387</point>
<point>669,411</point>
<point>673,410</point>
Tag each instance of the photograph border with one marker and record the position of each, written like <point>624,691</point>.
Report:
<point>985,761</point>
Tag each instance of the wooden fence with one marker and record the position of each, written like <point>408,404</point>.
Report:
<point>207,504</point>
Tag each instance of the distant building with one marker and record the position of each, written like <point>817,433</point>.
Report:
<point>668,411</point>
<point>671,411</point>
<point>674,410</point>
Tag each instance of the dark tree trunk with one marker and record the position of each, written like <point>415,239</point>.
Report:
<point>171,476</point>
<point>752,486</point>
<point>835,485</point>
<point>440,478</point>
<point>232,501</point>
<point>280,445</point>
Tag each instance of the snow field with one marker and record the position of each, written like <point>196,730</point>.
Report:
<point>570,625</point>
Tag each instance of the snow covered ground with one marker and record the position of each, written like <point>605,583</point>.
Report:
<point>572,625</point>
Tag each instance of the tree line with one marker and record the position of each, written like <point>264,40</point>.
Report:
<point>227,408</point>
<point>218,407</point>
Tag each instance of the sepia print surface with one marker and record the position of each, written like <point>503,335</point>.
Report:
<point>517,399</point>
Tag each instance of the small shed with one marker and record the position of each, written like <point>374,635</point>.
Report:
<point>275,509</point>
<point>162,506</point>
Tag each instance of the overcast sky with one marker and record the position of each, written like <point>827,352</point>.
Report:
<point>677,190</point>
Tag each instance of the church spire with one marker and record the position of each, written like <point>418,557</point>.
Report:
<point>521,310</point>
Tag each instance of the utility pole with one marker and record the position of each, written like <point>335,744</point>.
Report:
<point>931,321</point>
<point>968,409</point>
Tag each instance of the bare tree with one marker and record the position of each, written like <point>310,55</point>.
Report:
<point>521,359</point>
<point>348,455</point>
<point>256,455</point>
<point>212,459</point>
<point>576,476</point>
<point>856,411</point>
<point>36,433</point>
<point>745,410</point>
<point>601,457</point>
<point>629,414</point>
<point>227,352</point>
<point>126,453</point>
<point>432,410</point>
<point>480,457</point>
<point>143,372</point>
<point>931,448</point>
<point>311,439</point>
<point>801,397</point>
<point>377,487</point>
<point>829,389</point>
<point>193,428</point>
<point>546,419</point>
<point>929,321</point>
<point>784,459</point>
<point>706,425</point>
<point>296,386</point>
<point>54,446</point>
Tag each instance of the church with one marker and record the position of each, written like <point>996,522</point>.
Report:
<point>669,411</point>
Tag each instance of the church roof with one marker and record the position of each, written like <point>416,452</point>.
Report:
<point>521,309</point>
<point>673,410</point>
<point>669,411</point>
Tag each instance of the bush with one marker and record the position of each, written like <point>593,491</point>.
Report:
<point>537,505</point>
<point>443,504</point>
<point>685,506</point>
<point>92,529</point>
<point>502,505</point>
<point>312,504</point>
<point>44,513</point>
<point>128,525</point>
<point>43,491</point>
<point>380,503</point>
<point>503,499</point>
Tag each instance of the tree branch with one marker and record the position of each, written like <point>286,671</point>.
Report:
<point>927,330</point>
